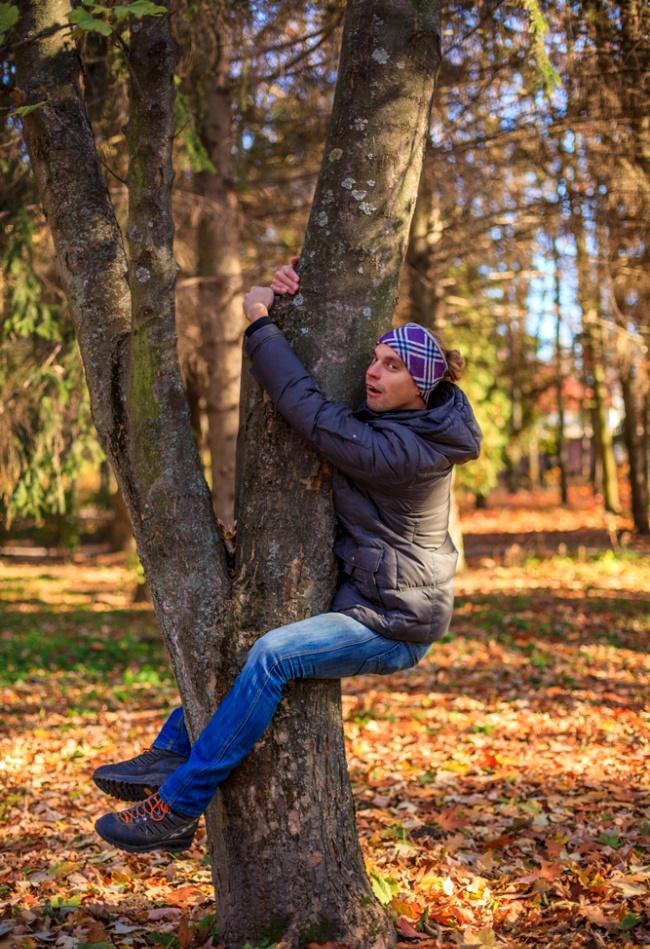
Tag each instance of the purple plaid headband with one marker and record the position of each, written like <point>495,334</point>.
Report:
<point>420,353</point>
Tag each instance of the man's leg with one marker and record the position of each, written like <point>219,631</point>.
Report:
<point>173,735</point>
<point>330,645</point>
<point>137,778</point>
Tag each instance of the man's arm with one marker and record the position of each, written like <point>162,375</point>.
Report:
<point>360,450</point>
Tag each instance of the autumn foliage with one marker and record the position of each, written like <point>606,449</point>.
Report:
<point>501,786</point>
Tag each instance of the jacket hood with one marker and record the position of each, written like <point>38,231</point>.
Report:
<point>448,422</point>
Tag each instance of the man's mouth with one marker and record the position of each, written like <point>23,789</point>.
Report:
<point>371,390</point>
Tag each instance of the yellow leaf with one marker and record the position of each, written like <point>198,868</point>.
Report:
<point>456,766</point>
<point>405,907</point>
<point>430,882</point>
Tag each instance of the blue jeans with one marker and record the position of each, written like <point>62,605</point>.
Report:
<point>327,646</point>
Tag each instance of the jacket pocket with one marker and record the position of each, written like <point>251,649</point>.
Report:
<point>362,564</point>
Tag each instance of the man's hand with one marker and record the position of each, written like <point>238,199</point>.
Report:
<point>258,299</point>
<point>286,280</point>
<point>257,302</point>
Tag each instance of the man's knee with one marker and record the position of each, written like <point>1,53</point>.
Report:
<point>266,652</point>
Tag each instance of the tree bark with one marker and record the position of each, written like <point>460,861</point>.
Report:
<point>559,385</point>
<point>354,246</point>
<point>595,356</point>
<point>514,453</point>
<point>131,366</point>
<point>633,381</point>
<point>219,252</point>
<point>633,434</point>
<point>286,857</point>
<point>426,299</point>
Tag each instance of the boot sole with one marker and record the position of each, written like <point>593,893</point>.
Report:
<point>181,843</point>
<point>125,790</point>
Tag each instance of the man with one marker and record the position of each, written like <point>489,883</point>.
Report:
<point>391,487</point>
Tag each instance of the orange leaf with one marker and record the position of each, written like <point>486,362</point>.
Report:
<point>496,843</point>
<point>184,934</point>
<point>96,932</point>
<point>405,907</point>
<point>550,871</point>
<point>450,819</point>
<point>185,895</point>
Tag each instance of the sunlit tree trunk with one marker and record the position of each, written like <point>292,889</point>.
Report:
<point>219,249</point>
<point>632,376</point>
<point>426,299</point>
<point>633,434</point>
<point>123,312</point>
<point>513,452</point>
<point>595,358</point>
<point>559,386</point>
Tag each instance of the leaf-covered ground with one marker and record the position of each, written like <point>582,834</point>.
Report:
<point>502,786</point>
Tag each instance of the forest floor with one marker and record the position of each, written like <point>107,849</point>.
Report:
<point>502,787</point>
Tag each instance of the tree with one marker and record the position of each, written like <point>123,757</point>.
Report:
<point>559,381</point>
<point>218,242</point>
<point>285,853</point>
<point>594,350</point>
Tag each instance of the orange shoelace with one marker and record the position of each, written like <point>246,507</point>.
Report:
<point>153,807</point>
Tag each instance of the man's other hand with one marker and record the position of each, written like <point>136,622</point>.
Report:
<point>257,302</point>
<point>286,280</point>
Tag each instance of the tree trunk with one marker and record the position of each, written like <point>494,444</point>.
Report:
<point>633,380</point>
<point>120,531</point>
<point>534,475</point>
<point>286,855</point>
<point>595,356</point>
<point>645,439</point>
<point>426,300</point>
<point>455,526</point>
<point>559,385</point>
<point>308,868</point>
<point>219,255</point>
<point>131,365</point>
<point>426,297</point>
<point>513,453</point>
<point>632,431</point>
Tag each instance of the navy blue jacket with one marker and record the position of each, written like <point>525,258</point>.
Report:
<point>391,490</point>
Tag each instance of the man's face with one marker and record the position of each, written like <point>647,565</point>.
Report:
<point>389,384</point>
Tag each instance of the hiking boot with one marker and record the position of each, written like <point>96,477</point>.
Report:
<point>149,825</point>
<point>139,777</point>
